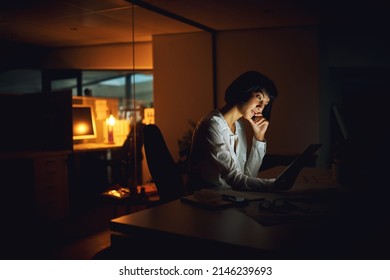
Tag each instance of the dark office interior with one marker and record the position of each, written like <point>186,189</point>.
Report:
<point>173,60</point>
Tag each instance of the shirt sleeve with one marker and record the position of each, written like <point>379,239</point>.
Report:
<point>255,158</point>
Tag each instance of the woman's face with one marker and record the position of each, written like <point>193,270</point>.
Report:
<point>255,105</point>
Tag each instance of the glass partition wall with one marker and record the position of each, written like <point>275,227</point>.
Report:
<point>130,86</point>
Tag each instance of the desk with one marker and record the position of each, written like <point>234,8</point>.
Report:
<point>93,168</point>
<point>103,152</point>
<point>181,231</point>
<point>85,147</point>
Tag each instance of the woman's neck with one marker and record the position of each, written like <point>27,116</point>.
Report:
<point>231,115</point>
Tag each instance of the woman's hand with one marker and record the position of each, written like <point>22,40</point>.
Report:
<point>259,125</point>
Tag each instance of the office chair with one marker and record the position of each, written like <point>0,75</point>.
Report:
<point>163,169</point>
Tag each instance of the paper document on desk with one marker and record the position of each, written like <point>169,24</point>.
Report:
<point>291,212</point>
<point>314,183</point>
<point>309,179</point>
<point>249,196</point>
<point>206,198</point>
<point>293,206</point>
<point>212,199</point>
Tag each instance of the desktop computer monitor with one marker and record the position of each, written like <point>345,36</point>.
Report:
<point>84,126</point>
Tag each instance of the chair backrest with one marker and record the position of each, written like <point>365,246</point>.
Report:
<point>163,169</point>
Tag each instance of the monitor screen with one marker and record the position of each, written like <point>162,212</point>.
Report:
<point>83,122</point>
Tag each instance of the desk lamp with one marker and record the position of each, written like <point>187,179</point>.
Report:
<point>110,121</point>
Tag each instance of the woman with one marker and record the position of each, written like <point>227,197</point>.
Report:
<point>219,156</point>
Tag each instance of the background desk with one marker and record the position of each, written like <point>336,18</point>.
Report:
<point>90,147</point>
<point>93,168</point>
<point>177,230</point>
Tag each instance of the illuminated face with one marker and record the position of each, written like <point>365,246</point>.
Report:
<point>255,105</point>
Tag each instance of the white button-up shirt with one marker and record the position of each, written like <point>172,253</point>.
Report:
<point>220,159</point>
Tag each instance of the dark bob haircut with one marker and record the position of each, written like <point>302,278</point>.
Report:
<point>241,89</point>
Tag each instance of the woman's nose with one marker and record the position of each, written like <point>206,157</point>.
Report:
<point>260,107</point>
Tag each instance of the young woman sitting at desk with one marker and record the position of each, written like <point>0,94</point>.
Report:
<point>219,156</point>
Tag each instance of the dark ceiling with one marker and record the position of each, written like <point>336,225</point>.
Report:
<point>72,23</point>
<point>62,23</point>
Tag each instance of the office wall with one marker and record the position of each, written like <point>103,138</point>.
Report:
<point>17,55</point>
<point>108,57</point>
<point>363,50</point>
<point>183,87</point>
<point>355,67</point>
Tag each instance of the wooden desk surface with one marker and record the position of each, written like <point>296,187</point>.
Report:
<point>232,234</point>
<point>229,228</point>
<point>183,219</point>
<point>85,147</point>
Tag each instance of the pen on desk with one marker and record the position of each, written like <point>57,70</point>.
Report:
<point>256,199</point>
<point>240,199</point>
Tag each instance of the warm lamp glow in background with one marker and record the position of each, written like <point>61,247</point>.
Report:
<point>110,121</point>
<point>82,128</point>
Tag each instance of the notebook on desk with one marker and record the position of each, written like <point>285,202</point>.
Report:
<point>214,200</point>
<point>286,179</point>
